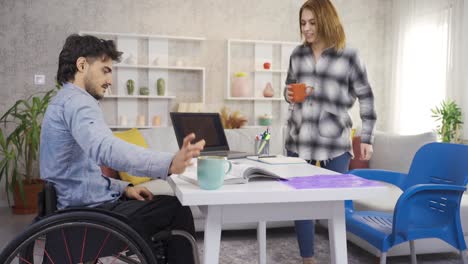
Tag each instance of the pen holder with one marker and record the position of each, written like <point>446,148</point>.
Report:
<point>262,147</point>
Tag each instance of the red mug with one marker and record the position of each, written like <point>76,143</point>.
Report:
<point>300,92</point>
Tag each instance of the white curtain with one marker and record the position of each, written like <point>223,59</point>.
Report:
<point>425,67</point>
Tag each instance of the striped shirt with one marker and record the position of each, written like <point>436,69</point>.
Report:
<point>320,127</point>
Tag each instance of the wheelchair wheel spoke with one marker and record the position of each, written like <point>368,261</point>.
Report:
<point>48,256</point>
<point>40,243</point>
<point>83,244</point>
<point>120,253</point>
<point>102,246</point>
<point>78,237</point>
<point>66,246</point>
<point>23,260</point>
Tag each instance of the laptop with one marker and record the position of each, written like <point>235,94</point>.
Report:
<point>206,126</point>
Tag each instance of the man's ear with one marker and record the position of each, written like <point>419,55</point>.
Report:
<point>81,64</point>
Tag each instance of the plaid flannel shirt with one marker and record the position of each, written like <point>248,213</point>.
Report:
<point>320,127</point>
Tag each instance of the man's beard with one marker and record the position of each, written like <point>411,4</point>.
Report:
<point>92,89</point>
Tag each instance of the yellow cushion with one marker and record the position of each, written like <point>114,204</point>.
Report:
<point>132,136</point>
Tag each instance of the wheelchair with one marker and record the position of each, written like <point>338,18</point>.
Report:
<point>86,236</point>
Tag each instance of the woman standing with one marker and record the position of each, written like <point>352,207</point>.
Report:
<point>319,128</point>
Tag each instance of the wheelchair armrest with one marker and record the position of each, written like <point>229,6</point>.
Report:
<point>47,200</point>
<point>47,204</point>
<point>395,178</point>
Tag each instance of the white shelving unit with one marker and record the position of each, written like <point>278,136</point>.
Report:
<point>145,59</point>
<point>249,56</point>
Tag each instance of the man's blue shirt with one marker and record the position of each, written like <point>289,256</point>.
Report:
<point>75,141</point>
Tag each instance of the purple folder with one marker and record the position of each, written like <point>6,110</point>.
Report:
<point>330,181</point>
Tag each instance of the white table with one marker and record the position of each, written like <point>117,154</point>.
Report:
<point>262,201</point>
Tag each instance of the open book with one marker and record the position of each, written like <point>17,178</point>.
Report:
<point>240,173</point>
<point>277,159</point>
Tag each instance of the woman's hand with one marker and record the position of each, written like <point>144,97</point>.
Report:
<point>289,93</point>
<point>366,151</point>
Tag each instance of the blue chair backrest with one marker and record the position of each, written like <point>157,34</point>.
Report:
<point>439,163</point>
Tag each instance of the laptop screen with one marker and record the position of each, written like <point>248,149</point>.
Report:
<point>206,126</point>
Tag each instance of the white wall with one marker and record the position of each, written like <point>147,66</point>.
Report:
<point>32,33</point>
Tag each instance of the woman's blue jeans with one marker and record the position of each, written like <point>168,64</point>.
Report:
<point>305,229</point>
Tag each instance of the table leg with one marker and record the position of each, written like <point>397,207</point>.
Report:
<point>212,234</point>
<point>261,239</point>
<point>337,234</point>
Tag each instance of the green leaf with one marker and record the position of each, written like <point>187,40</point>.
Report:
<point>449,118</point>
<point>6,172</point>
<point>3,166</point>
<point>2,140</point>
<point>21,145</point>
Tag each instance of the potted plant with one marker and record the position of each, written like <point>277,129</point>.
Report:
<point>19,149</point>
<point>450,117</point>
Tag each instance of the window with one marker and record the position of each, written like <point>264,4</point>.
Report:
<point>422,66</point>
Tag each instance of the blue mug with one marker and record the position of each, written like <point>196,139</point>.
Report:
<point>211,171</point>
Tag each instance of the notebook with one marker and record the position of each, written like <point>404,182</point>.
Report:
<point>206,126</point>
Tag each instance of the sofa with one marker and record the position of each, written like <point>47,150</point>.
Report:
<point>391,152</point>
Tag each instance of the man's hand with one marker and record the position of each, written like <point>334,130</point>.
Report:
<point>185,154</point>
<point>366,151</point>
<point>138,193</point>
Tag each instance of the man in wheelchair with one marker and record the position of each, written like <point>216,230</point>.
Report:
<point>75,141</point>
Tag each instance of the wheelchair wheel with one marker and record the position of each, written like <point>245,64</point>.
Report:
<point>78,237</point>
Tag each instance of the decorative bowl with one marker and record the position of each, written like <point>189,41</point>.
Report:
<point>265,120</point>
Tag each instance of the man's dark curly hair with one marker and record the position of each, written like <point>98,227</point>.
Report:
<point>89,47</point>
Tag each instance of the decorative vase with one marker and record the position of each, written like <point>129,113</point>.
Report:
<point>240,85</point>
<point>130,87</point>
<point>123,120</point>
<point>156,120</point>
<point>144,91</point>
<point>268,91</point>
<point>156,61</point>
<point>140,120</point>
<point>180,63</point>
<point>161,87</point>
<point>131,60</point>
<point>265,120</point>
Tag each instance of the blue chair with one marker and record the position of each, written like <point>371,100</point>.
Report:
<point>429,206</point>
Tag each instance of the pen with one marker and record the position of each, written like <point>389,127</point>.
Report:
<point>264,141</point>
